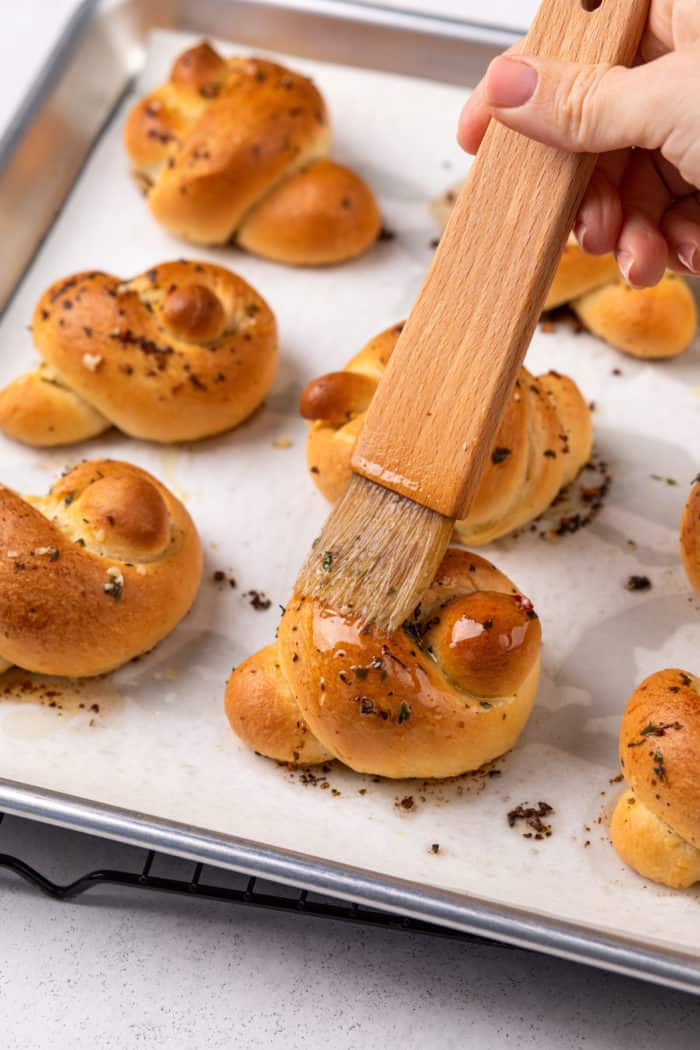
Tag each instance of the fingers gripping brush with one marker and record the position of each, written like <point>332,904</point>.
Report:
<point>436,412</point>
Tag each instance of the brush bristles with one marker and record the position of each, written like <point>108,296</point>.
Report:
<point>376,555</point>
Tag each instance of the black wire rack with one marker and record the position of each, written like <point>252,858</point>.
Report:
<point>204,883</point>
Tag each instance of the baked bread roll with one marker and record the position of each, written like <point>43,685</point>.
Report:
<point>237,149</point>
<point>95,573</point>
<point>648,322</point>
<point>690,537</point>
<point>578,274</point>
<point>180,352</point>
<point>656,824</point>
<point>543,442</point>
<point>449,691</point>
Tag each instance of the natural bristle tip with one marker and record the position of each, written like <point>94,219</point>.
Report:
<point>376,555</point>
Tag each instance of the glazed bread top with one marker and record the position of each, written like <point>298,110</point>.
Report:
<point>544,440</point>
<point>96,572</point>
<point>182,351</point>
<point>447,692</point>
<point>237,147</point>
<point>208,117</point>
<point>690,537</point>
<point>660,749</point>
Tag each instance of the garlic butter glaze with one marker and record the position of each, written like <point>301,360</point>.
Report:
<point>447,692</point>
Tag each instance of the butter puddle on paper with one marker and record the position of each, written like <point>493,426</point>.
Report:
<point>35,705</point>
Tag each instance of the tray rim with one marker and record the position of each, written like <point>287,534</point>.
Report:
<point>515,926</point>
<point>510,925</point>
<point>374,13</point>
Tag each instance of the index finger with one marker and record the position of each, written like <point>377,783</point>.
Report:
<point>475,116</point>
<point>473,120</point>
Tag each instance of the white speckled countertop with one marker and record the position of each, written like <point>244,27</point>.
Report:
<point>121,970</point>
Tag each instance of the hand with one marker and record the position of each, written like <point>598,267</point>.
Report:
<point>643,201</point>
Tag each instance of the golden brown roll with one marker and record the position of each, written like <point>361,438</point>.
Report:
<point>95,573</point>
<point>447,692</point>
<point>578,274</point>
<point>544,441</point>
<point>649,322</point>
<point>690,537</point>
<point>656,824</point>
<point>654,322</point>
<point>237,148</point>
<point>178,353</point>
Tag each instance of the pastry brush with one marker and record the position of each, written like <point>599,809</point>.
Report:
<point>434,418</point>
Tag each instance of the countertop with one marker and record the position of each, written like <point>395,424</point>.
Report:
<point>118,969</point>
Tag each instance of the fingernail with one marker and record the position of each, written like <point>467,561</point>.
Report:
<point>690,257</point>
<point>581,233</point>
<point>625,260</point>
<point>510,83</point>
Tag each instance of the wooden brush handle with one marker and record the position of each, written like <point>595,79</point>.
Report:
<point>437,410</point>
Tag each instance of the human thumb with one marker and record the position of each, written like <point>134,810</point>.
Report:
<point>596,108</point>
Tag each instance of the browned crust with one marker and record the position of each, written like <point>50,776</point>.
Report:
<point>578,274</point>
<point>690,537</point>
<point>657,322</point>
<point>324,214</point>
<point>656,824</point>
<point>660,749</point>
<point>185,350</point>
<point>234,148</point>
<point>95,573</point>
<point>263,713</point>
<point>542,444</point>
<point>651,847</point>
<point>388,705</point>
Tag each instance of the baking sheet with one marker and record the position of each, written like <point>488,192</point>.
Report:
<point>504,14</point>
<point>159,742</point>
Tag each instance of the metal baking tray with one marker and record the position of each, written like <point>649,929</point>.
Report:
<point>53,134</point>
